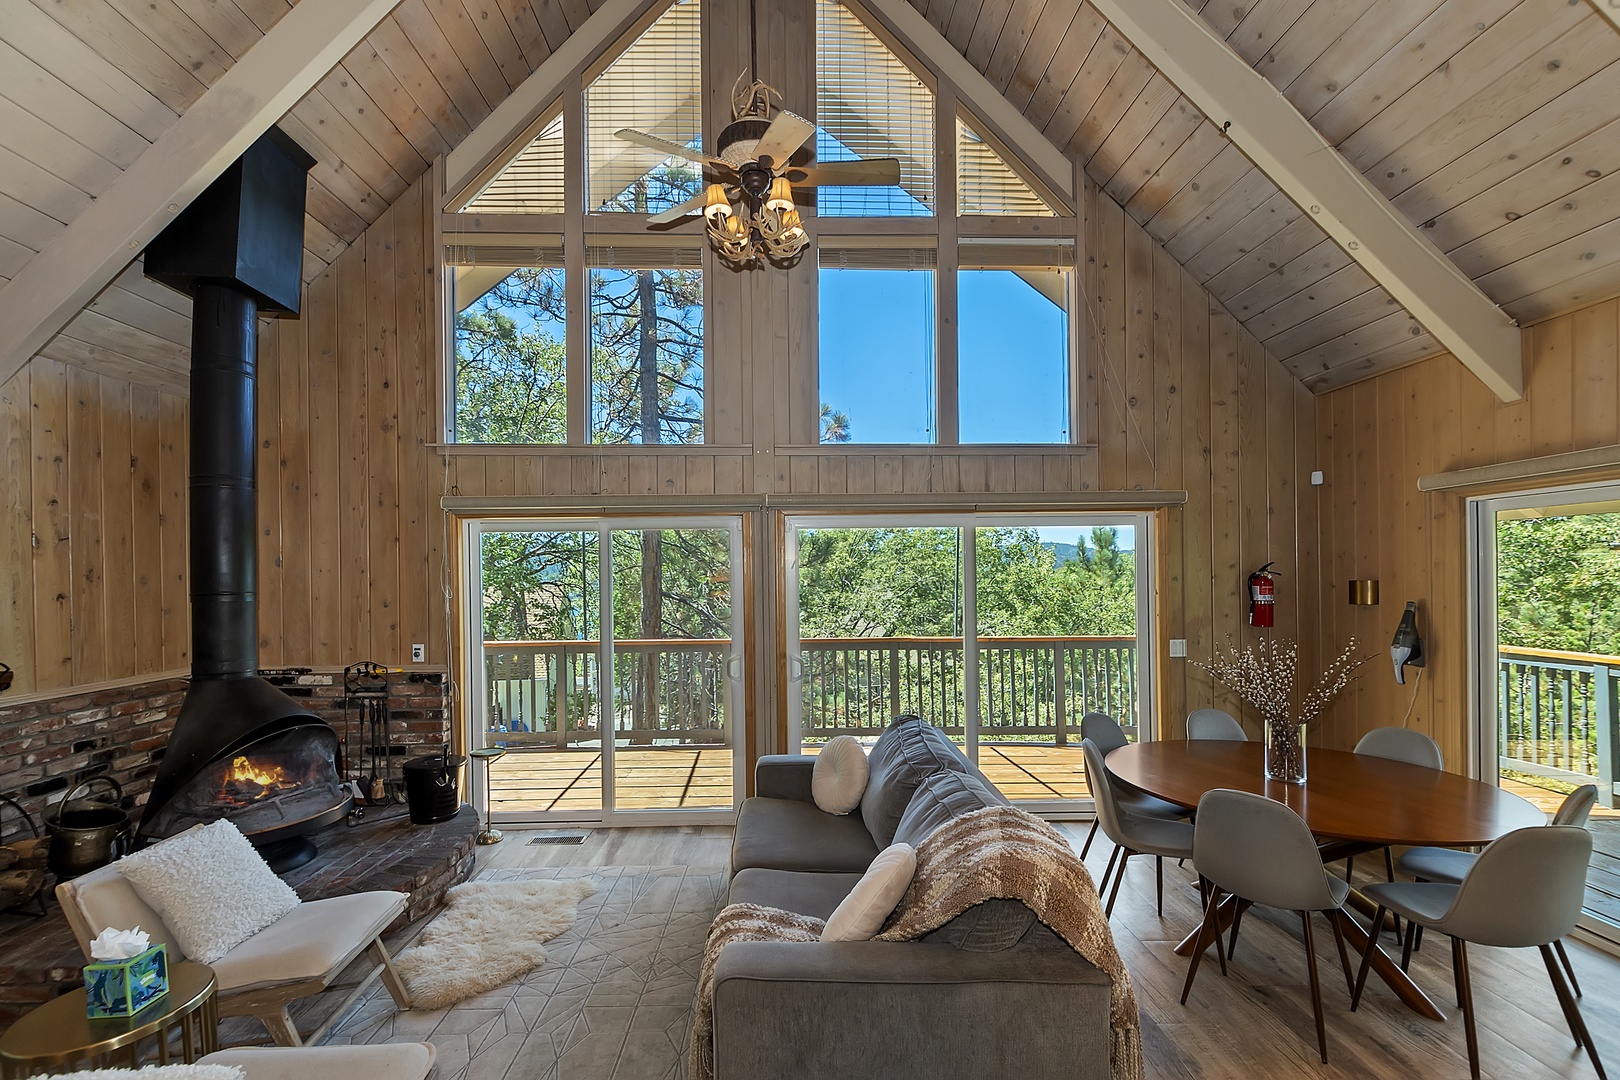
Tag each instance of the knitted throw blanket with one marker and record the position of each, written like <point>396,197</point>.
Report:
<point>736,922</point>
<point>1003,853</point>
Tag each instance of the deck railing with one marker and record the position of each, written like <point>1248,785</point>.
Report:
<point>1033,689</point>
<point>1557,716</point>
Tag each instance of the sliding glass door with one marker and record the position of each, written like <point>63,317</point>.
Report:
<point>607,665</point>
<point>1004,632</point>
<point>1546,576</point>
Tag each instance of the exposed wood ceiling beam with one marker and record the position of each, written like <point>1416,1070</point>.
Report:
<point>1609,9</point>
<point>1311,172</point>
<point>469,168</point>
<point>257,91</point>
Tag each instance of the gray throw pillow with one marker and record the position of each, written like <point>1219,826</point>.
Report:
<point>940,798</point>
<point>906,754</point>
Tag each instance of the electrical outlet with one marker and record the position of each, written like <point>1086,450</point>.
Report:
<point>418,654</point>
<point>1178,646</point>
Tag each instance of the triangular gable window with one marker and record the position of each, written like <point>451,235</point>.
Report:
<point>655,86</point>
<point>870,105</point>
<point>533,182</point>
<point>986,184</point>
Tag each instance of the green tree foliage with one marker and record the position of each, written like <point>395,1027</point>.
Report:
<point>1558,583</point>
<point>509,367</point>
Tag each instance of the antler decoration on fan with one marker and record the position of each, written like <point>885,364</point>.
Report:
<point>749,203</point>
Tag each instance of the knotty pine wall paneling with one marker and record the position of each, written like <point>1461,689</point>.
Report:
<point>1375,438</point>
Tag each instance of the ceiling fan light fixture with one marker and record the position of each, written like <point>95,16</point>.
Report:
<point>781,196</point>
<point>716,207</point>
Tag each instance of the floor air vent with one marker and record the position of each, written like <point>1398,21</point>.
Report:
<point>559,838</point>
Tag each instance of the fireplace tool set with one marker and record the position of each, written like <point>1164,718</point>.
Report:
<point>367,737</point>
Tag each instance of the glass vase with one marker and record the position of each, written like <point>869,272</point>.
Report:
<point>1285,751</point>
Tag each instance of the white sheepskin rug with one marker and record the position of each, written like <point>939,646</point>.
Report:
<point>488,934</point>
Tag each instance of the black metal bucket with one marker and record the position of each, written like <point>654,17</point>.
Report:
<point>87,834</point>
<point>431,791</point>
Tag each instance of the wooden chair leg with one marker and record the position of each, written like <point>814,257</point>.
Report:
<point>1349,868</point>
<point>1406,948</point>
<point>1344,954</point>
<point>1158,868</point>
<point>1465,998</point>
<point>1237,918</point>
<point>1090,836</point>
<point>1119,876</point>
<point>1572,1012</point>
<point>1366,960</point>
<point>1209,923</point>
<point>390,977</point>
<point>281,1028</point>
<point>1569,970</point>
<point>1316,985</point>
<point>1102,886</point>
<point>1389,864</point>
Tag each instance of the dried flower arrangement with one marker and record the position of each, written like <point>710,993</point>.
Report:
<point>1263,676</point>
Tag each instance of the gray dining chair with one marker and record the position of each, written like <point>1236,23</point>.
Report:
<point>1524,890</point>
<point>1105,731</point>
<point>1261,852</point>
<point>1216,725</point>
<point>1132,834</point>
<point>1449,866</point>
<point>1396,744</point>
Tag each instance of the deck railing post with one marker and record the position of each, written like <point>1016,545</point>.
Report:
<point>894,681</point>
<point>1060,694</point>
<point>1608,738</point>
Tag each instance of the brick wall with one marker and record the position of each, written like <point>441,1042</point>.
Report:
<point>47,746</point>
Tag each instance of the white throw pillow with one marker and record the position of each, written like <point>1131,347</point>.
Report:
<point>213,890</point>
<point>863,911</point>
<point>839,778</point>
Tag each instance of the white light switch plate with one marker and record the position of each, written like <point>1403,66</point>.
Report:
<point>418,654</point>
<point>1178,646</point>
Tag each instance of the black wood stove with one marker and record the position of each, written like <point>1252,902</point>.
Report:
<point>241,748</point>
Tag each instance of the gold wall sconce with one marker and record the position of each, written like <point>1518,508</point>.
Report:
<point>1363,591</point>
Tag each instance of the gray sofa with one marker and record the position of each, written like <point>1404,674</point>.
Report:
<point>992,994</point>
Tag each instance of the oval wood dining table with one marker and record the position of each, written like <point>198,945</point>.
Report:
<point>1358,800</point>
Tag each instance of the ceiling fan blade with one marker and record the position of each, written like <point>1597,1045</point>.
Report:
<point>786,134</point>
<point>877,171</point>
<point>675,213</point>
<point>653,142</point>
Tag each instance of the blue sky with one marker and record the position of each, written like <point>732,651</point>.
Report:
<point>877,356</point>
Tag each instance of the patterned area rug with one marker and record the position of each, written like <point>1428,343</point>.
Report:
<point>612,1002</point>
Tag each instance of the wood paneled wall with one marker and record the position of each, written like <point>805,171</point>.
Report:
<point>1375,438</point>
<point>352,540</point>
<point>92,528</point>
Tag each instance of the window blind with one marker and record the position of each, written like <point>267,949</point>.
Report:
<point>986,184</point>
<point>847,256</point>
<point>654,86</point>
<point>644,256</point>
<point>533,182</point>
<point>870,105</point>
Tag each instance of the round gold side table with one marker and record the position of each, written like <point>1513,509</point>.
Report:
<point>59,1033</point>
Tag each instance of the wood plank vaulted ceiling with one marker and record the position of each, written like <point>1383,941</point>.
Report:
<point>1492,125</point>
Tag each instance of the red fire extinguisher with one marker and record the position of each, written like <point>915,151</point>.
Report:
<point>1263,596</point>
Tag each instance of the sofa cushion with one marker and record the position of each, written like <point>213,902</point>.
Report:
<point>787,834</point>
<point>938,799</point>
<point>904,756</point>
<point>815,895</point>
<point>988,927</point>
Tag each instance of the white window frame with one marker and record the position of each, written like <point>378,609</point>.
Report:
<point>1146,627</point>
<point>475,726</point>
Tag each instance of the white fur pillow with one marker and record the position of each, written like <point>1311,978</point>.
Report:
<point>212,888</point>
<point>839,778</point>
<point>861,914</point>
<point>160,1072</point>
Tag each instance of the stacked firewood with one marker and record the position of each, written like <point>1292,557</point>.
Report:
<point>22,870</point>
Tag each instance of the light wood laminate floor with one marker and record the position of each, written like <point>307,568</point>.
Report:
<point>1256,1023</point>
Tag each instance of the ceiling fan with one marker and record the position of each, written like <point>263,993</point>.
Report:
<point>756,165</point>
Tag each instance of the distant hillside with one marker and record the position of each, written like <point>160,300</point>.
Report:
<point>1064,552</point>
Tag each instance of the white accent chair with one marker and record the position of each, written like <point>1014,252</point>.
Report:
<point>1215,725</point>
<point>296,956</point>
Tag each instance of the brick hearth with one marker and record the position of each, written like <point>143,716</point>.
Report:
<point>39,958</point>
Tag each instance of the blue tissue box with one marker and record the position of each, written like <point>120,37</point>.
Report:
<point>125,987</point>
